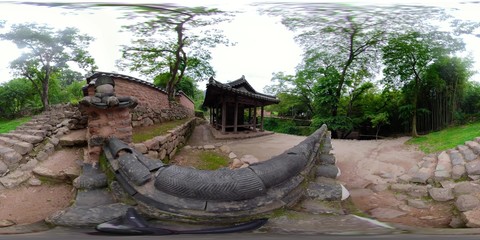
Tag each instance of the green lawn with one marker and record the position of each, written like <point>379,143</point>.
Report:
<point>141,134</point>
<point>447,138</point>
<point>9,125</point>
<point>212,161</point>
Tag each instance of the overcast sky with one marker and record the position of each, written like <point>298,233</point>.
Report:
<point>263,45</point>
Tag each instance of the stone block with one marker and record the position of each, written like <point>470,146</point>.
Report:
<point>473,167</point>
<point>441,194</point>
<point>462,188</point>
<point>458,171</point>
<point>140,147</point>
<point>466,202</point>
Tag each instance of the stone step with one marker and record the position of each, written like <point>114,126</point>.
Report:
<point>443,170</point>
<point>9,156</point>
<point>39,133</point>
<point>19,146</point>
<point>24,137</point>
<point>475,146</point>
<point>426,169</point>
<point>467,153</point>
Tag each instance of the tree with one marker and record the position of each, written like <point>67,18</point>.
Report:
<point>47,52</point>
<point>16,95</point>
<point>173,40</point>
<point>407,58</point>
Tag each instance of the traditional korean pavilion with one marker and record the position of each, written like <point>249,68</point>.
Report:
<point>234,105</point>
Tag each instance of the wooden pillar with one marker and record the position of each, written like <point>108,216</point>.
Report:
<point>250,116</point>
<point>255,119</point>
<point>224,115</point>
<point>261,120</point>
<point>235,120</point>
<point>211,115</point>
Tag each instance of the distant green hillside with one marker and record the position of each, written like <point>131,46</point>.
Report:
<point>447,138</point>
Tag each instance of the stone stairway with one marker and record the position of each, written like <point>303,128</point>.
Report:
<point>463,162</point>
<point>33,142</point>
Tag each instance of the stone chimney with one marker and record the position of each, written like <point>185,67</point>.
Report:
<point>108,116</point>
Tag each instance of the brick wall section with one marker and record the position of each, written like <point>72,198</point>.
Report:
<point>146,95</point>
<point>153,105</point>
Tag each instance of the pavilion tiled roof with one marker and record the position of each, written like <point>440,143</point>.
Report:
<point>234,87</point>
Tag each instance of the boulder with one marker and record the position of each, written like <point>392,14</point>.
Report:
<point>458,171</point>
<point>441,194</point>
<point>466,202</point>
<point>473,167</point>
<point>467,153</point>
<point>472,218</point>
<point>466,188</point>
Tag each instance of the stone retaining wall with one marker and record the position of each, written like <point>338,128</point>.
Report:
<point>164,147</point>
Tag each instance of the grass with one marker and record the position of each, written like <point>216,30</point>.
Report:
<point>9,125</point>
<point>210,160</point>
<point>447,138</point>
<point>141,134</point>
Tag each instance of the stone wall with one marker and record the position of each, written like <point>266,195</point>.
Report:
<point>164,147</point>
<point>153,105</point>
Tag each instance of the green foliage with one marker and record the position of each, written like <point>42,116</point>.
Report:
<point>287,126</point>
<point>447,138</point>
<point>46,53</point>
<point>141,134</point>
<point>17,97</point>
<point>9,125</point>
<point>173,42</point>
<point>212,161</point>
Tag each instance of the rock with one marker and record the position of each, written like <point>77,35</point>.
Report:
<point>162,154</point>
<point>379,187</point>
<point>466,202</point>
<point>422,175</point>
<point>15,178</point>
<point>418,191</point>
<point>444,167</point>
<point>152,154</point>
<point>466,188</point>
<point>405,178</point>
<point>417,203</point>
<point>472,218</point>
<point>467,153</point>
<point>458,171</point>
<point>457,222</point>
<point>400,187</point>
<point>441,194</point>
<point>209,147</point>
<point>473,167</point>
<point>456,157</point>
<point>225,149</point>
<point>29,166</point>
<point>330,171</point>
<point>386,213</point>
<point>236,163</point>
<point>245,165</point>
<point>401,197</point>
<point>140,147</point>
<point>250,159</point>
<point>6,223</point>
<point>447,184</point>
<point>33,181</point>
<point>3,169</point>
<point>474,146</point>
<point>187,147</point>
<point>323,189</point>
<point>232,155</point>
